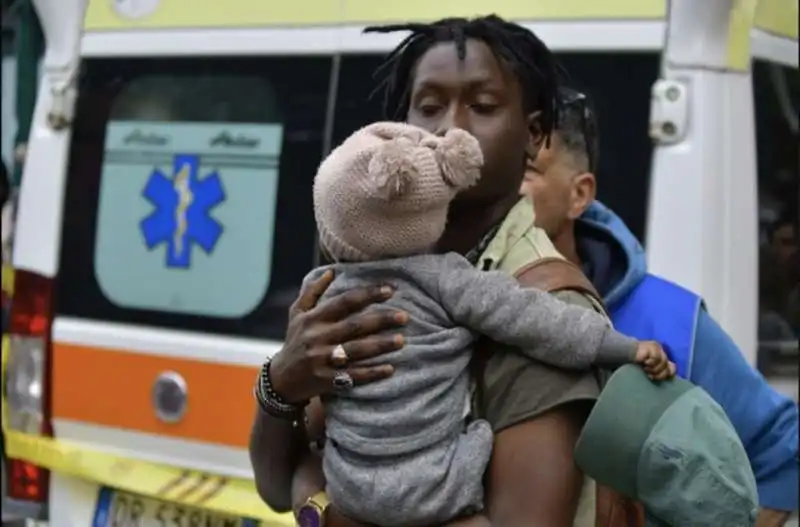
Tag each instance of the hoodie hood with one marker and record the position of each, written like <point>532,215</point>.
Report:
<point>612,258</point>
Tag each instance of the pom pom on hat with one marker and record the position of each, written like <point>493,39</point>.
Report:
<point>460,159</point>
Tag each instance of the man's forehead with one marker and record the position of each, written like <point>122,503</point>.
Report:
<point>441,65</point>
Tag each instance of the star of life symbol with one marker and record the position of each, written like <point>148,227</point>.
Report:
<point>182,215</point>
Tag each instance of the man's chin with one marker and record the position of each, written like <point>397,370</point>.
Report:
<point>477,199</point>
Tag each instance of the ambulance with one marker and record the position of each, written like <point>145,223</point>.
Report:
<point>164,221</point>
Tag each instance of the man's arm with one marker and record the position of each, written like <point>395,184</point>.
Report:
<point>276,448</point>
<point>286,471</point>
<point>308,480</point>
<point>766,421</point>
<point>533,479</point>
<point>537,412</point>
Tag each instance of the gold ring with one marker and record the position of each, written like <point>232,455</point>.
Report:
<point>339,355</point>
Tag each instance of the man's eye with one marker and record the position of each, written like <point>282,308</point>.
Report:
<point>484,108</point>
<point>429,109</point>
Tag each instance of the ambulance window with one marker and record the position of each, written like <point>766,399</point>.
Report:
<point>617,83</point>
<point>776,92</point>
<point>189,194</point>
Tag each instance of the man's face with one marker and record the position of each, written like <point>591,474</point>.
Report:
<point>479,95</point>
<point>560,190</point>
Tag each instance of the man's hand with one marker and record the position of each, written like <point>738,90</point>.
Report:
<point>305,366</point>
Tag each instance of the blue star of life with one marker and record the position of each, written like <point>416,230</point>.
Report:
<point>182,215</point>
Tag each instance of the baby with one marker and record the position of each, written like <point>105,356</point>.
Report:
<point>400,452</point>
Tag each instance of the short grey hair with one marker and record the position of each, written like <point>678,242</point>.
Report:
<point>577,128</point>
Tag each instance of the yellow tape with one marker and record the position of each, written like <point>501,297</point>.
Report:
<point>191,488</point>
<point>740,24</point>
<point>3,378</point>
<point>8,280</point>
<point>237,497</point>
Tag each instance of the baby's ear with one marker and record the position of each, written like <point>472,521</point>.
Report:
<point>391,169</point>
<point>460,158</point>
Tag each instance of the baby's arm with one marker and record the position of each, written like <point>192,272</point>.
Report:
<point>546,328</point>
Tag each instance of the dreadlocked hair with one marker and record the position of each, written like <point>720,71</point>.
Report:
<point>534,66</point>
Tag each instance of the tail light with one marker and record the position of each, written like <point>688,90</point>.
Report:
<point>28,377</point>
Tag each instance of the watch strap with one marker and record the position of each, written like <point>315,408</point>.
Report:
<point>321,500</point>
<point>313,513</point>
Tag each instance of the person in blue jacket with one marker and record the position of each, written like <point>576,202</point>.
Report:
<point>648,307</point>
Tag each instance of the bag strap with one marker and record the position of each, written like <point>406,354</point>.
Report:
<point>553,274</point>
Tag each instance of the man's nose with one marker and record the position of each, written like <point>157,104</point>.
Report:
<point>455,117</point>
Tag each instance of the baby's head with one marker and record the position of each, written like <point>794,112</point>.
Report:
<point>385,191</point>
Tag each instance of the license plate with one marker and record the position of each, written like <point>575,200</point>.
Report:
<point>120,509</point>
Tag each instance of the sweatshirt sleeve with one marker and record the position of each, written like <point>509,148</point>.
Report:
<point>766,421</point>
<point>545,328</point>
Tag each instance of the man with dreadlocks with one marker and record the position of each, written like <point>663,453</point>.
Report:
<point>498,81</point>
<point>562,183</point>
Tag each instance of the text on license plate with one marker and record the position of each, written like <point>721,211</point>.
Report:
<point>119,509</point>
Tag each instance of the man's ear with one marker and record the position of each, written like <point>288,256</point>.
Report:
<point>535,135</point>
<point>584,191</point>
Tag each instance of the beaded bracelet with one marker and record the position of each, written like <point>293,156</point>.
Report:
<point>269,400</point>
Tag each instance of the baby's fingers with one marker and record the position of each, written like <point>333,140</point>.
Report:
<point>663,372</point>
<point>651,370</point>
<point>662,375</point>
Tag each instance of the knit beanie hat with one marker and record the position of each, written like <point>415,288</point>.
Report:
<point>385,191</point>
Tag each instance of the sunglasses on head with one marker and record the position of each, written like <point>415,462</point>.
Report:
<point>575,101</point>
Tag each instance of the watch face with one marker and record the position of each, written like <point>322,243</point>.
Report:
<point>309,516</point>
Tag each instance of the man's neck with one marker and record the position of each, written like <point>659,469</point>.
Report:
<point>468,223</point>
<point>566,244</point>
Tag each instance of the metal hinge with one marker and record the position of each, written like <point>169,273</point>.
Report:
<point>669,111</point>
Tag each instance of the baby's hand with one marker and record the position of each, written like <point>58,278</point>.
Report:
<point>651,356</point>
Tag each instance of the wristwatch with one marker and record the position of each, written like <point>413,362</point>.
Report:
<point>312,513</point>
